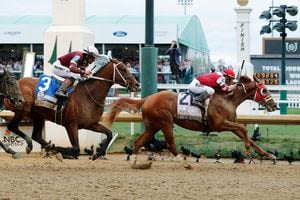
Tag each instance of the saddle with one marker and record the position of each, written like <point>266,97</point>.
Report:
<point>186,109</point>
<point>45,95</point>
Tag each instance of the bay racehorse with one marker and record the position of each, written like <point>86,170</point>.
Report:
<point>82,110</point>
<point>159,112</point>
<point>10,98</point>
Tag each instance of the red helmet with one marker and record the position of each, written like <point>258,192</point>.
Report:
<point>229,72</point>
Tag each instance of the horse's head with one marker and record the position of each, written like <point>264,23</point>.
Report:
<point>117,72</point>
<point>10,91</point>
<point>263,96</point>
<point>257,91</point>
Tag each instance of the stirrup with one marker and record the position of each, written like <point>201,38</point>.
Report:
<point>60,94</point>
<point>198,104</point>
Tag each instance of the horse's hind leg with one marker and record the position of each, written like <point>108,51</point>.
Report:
<point>143,139</point>
<point>7,149</point>
<point>167,129</point>
<point>14,127</point>
<point>38,125</point>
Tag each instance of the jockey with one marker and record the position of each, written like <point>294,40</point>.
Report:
<point>73,66</point>
<point>203,86</point>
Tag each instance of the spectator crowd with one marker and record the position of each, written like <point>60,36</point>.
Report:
<point>16,67</point>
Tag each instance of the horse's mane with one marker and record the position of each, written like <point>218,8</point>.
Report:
<point>9,85</point>
<point>100,63</point>
<point>244,79</point>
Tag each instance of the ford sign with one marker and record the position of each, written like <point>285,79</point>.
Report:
<point>120,33</point>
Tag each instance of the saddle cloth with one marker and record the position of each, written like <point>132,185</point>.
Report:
<point>45,91</point>
<point>185,109</point>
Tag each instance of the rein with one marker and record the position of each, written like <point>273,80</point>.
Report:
<point>244,88</point>
<point>91,96</point>
<point>107,80</point>
<point>114,76</point>
<point>262,100</point>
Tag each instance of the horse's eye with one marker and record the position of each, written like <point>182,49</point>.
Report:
<point>264,91</point>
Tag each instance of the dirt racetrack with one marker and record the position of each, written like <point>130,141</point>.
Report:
<point>33,177</point>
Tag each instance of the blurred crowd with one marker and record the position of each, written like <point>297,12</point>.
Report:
<point>186,73</point>
<point>16,67</point>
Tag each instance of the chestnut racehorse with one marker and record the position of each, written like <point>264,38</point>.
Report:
<point>159,112</point>
<point>82,111</point>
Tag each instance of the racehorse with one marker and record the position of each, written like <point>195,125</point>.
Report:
<point>159,112</point>
<point>83,109</point>
<point>10,97</point>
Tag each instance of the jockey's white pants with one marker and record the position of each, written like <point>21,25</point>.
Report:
<point>196,88</point>
<point>62,71</point>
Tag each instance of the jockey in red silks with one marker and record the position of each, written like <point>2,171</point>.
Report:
<point>73,66</point>
<point>203,86</point>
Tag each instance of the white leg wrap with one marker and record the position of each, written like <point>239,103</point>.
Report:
<point>134,157</point>
<point>178,158</point>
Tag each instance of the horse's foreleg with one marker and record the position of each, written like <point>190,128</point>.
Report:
<point>38,125</point>
<point>104,145</point>
<point>261,151</point>
<point>244,136</point>
<point>239,130</point>
<point>7,149</point>
<point>72,130</point>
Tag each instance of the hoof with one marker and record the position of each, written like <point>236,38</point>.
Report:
<point>28,149</point>
<point>248,152</point>
<point>187,165</point>
<point>16,156</point>
<point>59,157</point>
<point>94,157</point>
<point>274,159</point>
<point>143,165</point>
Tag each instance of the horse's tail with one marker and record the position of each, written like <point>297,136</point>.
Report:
<point>129,105</point>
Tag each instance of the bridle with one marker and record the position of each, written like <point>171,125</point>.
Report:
<point>113,81</point>
<point>260,96</point>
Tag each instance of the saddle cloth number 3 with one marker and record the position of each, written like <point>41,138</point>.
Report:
<point>46,84</point>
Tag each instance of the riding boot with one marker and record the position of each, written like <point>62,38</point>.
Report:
<point>61,92</point>
<point>198,100</point>
<point>204,118</point>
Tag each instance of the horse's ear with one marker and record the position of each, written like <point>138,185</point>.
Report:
<point>255,78</point>
<point>243,79</point>
<point>109,54</point>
